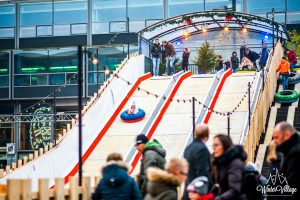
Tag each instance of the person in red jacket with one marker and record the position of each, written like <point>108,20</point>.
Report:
<point>284,71</point>
<point>292,59</point>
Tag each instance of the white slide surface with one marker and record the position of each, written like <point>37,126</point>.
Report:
<point>233,90</point>
<point>176,124</point>
<point>120,136</point>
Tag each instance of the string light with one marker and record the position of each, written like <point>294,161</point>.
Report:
<point>186,33</point>
<point>95,61</point>
<point>204,30</point>
<point>244,30</point>
<point>226,28</point>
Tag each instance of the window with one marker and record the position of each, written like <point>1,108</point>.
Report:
<point>35,14</point>
<point>178,7</point>
<point>7,16</point>
<point>4,67</point>
<point>70,12</point>
<point>109,10</point>
<point>265,6</point>
<point>217,4</point>
<point>105,15</point>
<point>28,62</point>
<point>147,9</point>
<point>293,5</point>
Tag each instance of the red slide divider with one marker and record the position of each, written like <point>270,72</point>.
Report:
<point>160,116</point>
<point>216,95</point>
<point>107,125</point>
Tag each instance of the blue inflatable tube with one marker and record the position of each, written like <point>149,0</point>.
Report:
<point>133,118</point>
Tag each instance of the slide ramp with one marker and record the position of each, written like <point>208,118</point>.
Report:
<point>234,90</point>
<point>121,135</point>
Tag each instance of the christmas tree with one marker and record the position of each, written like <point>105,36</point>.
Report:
<point>205,58</point>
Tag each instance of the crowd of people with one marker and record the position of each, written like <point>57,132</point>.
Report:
<point>248,58</point>
<point>224,174</point>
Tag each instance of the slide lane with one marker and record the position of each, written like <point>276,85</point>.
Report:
<point>233,90</point>
<point>120,136</point>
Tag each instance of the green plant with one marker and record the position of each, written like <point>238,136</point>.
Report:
<point>295,41</point>
<point>205,58</point>
<point>162,66</point>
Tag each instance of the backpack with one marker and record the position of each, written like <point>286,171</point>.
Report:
<point>252,179</point>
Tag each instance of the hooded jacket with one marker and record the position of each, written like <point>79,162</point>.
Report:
<point>284,67</point>
<point>156,50</point>
<point>116,184</point>
<point>229,173</point>
<point>162,185</point>
<point>291,163</point>
<point>153,156</point>
<point>170,50</point>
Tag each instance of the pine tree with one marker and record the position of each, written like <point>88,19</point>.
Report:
<point>205,58</point>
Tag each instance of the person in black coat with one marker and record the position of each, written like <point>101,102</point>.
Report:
<point>116,184</point>
<point>228,168</point>
<point>156,54</point>
<point>185,59</point>
<point>252,56</point>
<point>198,157</point>
<point>287,140</point>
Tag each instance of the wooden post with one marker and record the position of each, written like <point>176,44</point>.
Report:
<point>36,154</point>
<point>86,188</point>
<point>13,166</point>
<point>50,146</point>
<point>43,193</point>
<point>13,189</point>
<point>30,157</point>
<point>1,172</point>
<point>73,188</point>
<point>64,131</point>
<point>25,159</point>
<point>68,127</point>
<point>7,169</point>
<point>19,163</point>
<point>59,189</point>
<point>46,148</point>
<point>26,189</point>
<point>41,151</point>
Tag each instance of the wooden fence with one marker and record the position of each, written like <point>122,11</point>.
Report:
<point>17,189</point>
<point>259,115</point>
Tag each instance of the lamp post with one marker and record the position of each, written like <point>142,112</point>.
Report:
<point>97,65</point>
<point>54,117</point>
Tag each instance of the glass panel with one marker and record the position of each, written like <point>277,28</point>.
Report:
<point>293,18</point>
<point>146,9</point>
<point>217,4</point>
<point>109,10</point>
<point>4,62</point>
<point>40,79</point>
<point>118,27</point>
<point>4,80</point>
<point>100,27</point>
<point>278,17</point>
<point>22,80</point>
<point>31,62</point>
<point>93,77</point>
<point>63,60</point>
<point>7,16</point>
<point>35,14</point>
<point>150,22</point>
<point>7,32</point>
<point>265,6</point>
<point>70,12</point>
<point>72,78</point>
<point>179,7</point>
<point>293,5</point>
<point>135,26</point>
<point>61,30</point>
<point>44,30</point>
<point>27,32</point>
<point>6,132</point>
<point>78,29</point>
<point>56,79</point>
<point>36,134</point>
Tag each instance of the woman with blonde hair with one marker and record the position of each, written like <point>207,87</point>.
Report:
<point>274,158</point>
